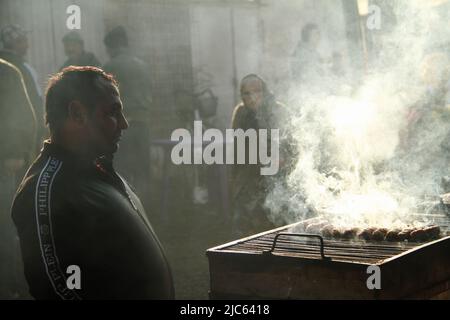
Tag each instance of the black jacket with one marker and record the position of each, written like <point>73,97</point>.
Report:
<point>32,90</point>
<point>17,117</point>
<point>33,94</point>
<point>72,212</point>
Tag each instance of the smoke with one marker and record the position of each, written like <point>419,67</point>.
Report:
<point>371,151</point>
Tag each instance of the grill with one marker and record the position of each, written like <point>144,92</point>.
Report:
<point>278,264</point>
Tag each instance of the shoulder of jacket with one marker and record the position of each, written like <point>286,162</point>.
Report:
<point>238,112</point>
<point>239,109</point>
<point>8,66</point>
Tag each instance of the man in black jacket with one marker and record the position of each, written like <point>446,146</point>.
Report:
<point>15,49</point>
<point>73,211</point>
<point>135,85</point>
<point>17,141</point>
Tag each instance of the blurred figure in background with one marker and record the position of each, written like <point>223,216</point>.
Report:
<point>424,140</point>
<point>307,63</point>
<point>337,65</point>
<point>17,139</point>
<point>133,76</point>
<point>258,110</point>
<point>434,106</point>
<point>74,50</point>
<point>15,48</point>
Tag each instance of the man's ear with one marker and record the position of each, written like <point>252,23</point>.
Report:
<point>77,112</point>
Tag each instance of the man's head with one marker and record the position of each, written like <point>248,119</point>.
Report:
<point>253,91</point>
<point>84,110</point>
<point>15,38</point>
<point>115,40</point>
<point>73,44</point>
<point>311,34</point>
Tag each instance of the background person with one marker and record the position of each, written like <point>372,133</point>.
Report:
<point>74,50</point>
<point>258,110</point>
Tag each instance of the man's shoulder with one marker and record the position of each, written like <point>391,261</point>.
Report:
<point>8,56</point>
<point>12,63</point>
<point>7,67</point>
<point>240,109</point>
<point>9,74</point>
<point>49,183</point>
<point>49,174</point>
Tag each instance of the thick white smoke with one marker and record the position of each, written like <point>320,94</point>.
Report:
<point>352,163</point>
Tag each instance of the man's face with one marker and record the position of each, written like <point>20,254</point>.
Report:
<point>73,49</point>
<point>107,122</point>
<point>252,93</point>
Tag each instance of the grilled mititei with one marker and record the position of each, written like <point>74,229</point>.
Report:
<point>350,233</point>
<point>418,235</point>
<point>392,235</point>
<point>433,232</point>
<point>426,233</point>
<point>366,234</point>
<point>327,231</point>
<point>337,233</point>
<point>405,234</point>
<point>379,234</point>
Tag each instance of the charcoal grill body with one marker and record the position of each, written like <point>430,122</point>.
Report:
<point>243,270</point>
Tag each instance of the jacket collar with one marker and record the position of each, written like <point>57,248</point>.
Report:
<point>72,160</point>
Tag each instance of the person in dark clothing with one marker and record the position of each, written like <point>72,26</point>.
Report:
<point>258,110</point>
<point>306,63</point>
<point>15,48</point>
<point>17,138</point>
<point>74,49</point>
<point>74,209</point>
<point>133,74</point>
<point>424,138</point>
<point>17,117</point>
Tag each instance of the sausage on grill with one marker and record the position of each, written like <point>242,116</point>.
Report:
<point>405,234</point>
<point>366,234</point>
<point>336,233</point>
<point>426,233</point>
<point>433,232</point>
<point>327,231</point>
<point>393,235</point>
<point>418,235</point>
<point>350,233</point>
<point>379,234</point>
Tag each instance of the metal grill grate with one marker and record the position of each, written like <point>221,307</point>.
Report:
<point>358,251</point>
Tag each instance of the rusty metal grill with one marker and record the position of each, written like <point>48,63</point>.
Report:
<point>344,250</point>
<point>278,264</point>
<point>366,252</point>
